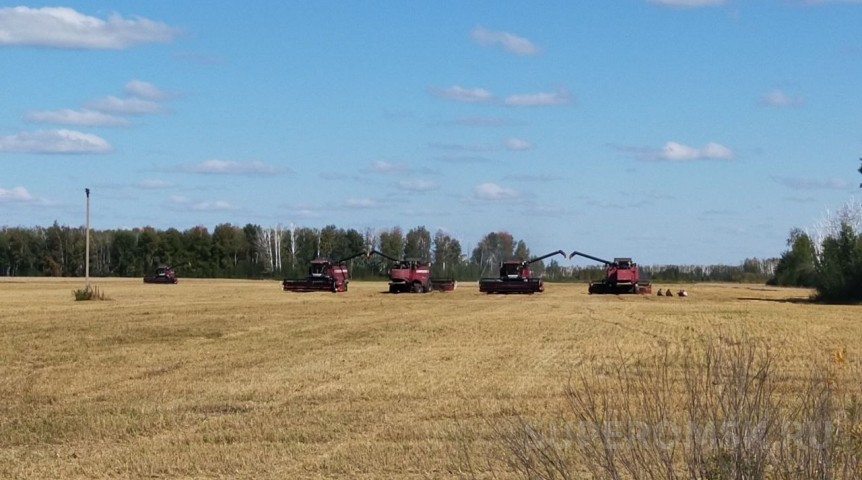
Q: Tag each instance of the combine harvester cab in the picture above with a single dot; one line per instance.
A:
(324, 275)
(516, 276)
(164, 275)
(622, 276)
(414, 275)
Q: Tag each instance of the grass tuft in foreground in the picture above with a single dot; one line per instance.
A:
(89, 293)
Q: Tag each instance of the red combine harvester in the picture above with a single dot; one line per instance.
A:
(413, 275)
(324, 274)
(622, 276)
(163, 274)
(516, 276)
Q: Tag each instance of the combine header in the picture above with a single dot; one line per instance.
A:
(163, 274)
(414, 275)
(621, 276)
(324, 274)
(516, 276)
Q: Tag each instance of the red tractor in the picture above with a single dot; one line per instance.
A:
(516, 276)
(414, 275)
(324, 274)
(621, 276)
(163, 274)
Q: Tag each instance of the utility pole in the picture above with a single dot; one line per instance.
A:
(87, 243)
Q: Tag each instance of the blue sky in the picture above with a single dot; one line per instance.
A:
(671, 131)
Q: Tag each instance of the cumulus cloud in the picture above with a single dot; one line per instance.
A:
(559, 97)
(505, 40)
(417, 185)
(482, 121)
(674, 151)
(380, 166)
(200, 205)
(20, 195)
(229, 167)
(54, 141)
(61, 27)
(492, 191)
(517, 144)
(126, 106)
(812, 184)
(688, 3)
(145, 90)
(78, 118)
(777, 98)
(461, 94)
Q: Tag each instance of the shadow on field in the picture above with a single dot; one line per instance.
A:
(777, 300)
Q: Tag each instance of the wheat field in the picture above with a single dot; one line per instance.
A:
(236, 379)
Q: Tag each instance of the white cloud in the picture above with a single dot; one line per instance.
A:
(678, 152)
(212, 206)
(200, 205)
(559, 97)
(492, 191)
(482, 121)
(777, 98)
(517, 144)
(66, 28)
(151, 184)
(128, 106)
(230, 167)
(80, 118)
(361, 203)
(417, 185)
(16, 195)
(54, 141)
(461, 94)
(505, 40)
(380, 166)
(688, 3)
(145, 90)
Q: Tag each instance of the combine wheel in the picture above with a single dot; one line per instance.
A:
(417, 287)
(393, 289)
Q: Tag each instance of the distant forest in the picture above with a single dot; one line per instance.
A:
(252, 251)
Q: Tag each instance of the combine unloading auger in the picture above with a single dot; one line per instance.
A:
(324, 274)
(414, 275)
(516, 276)
(621, 276)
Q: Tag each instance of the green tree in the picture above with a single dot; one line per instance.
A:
(392, 242)
(839, 269)
(796, 267)
(417, 243)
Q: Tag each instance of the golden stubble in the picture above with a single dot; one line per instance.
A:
(236, 379)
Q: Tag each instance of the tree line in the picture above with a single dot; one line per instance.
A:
(253, 251)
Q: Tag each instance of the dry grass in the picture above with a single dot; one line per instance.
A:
(236, 379)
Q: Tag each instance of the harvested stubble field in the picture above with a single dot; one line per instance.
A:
(221, 378)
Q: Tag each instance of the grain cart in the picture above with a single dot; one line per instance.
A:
(324, 274)
(414, 275)
(516, 276)
(163, 274)
(621, 276)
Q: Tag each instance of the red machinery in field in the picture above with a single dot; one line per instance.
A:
(163, 274)
(414, 275)
(516, 276)
(621, 276)
(324, 274)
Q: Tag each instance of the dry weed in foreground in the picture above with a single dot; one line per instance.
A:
(722, 415)
(89, 293)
